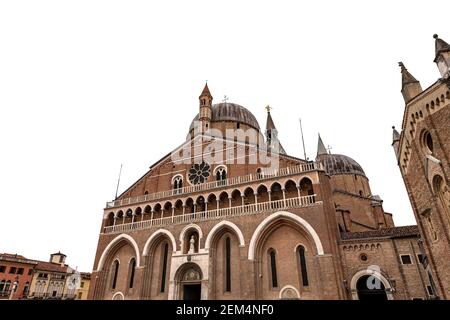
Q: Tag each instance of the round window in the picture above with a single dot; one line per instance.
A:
(363, 257)
(199, 173)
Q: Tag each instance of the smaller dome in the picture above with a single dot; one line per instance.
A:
(339, 164)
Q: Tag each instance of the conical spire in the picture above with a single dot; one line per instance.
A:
(395, 141)
(410, 86)
(272, 134)
(395, 135)
(205, 91)
(321, 147)
(440, 46)
(269, 123)
(406, 76)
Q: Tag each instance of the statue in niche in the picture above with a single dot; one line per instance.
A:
(192, 245)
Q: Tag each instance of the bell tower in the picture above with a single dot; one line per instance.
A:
(205, 112)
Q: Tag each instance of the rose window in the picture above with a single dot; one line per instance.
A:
(199, 172)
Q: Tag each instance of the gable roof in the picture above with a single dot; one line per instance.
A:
(51, 267)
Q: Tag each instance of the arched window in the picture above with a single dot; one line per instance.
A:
(115, 271)
(221, 173)
(111, 219)
(259, 173)
(132, 268)
(306, 187)
(273, 268)
(303, 269)
(177, 183)
(276, 192)
(228, 264)
(164, 267)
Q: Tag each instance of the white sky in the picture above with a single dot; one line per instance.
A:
(88, 85)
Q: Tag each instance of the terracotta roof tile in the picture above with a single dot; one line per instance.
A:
(396, 232)
(10, 255)
(50, 266)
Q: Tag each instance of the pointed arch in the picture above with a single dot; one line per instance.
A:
(221, 225)
(155, 235)
(287, 215)
(116, 240)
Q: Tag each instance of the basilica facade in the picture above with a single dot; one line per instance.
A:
(230, 215)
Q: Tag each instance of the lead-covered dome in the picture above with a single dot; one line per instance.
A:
(339, 164)
(227, 111)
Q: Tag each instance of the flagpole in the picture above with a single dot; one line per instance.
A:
(118, 181)
(303, 140)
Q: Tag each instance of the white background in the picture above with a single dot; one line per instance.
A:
(88, 85)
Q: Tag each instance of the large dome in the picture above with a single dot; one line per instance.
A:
(231, 112)
(339, 164)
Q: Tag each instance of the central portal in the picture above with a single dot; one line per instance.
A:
(188, 282)
(192, 291)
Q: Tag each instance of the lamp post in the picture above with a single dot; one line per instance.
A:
(14, 287)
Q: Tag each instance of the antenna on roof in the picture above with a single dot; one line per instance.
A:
(118, 181)
(303, 140)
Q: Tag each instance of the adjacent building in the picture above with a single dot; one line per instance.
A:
(422, 149)
(50, 278)
(83, 289)
(16, 274)
(22, 278)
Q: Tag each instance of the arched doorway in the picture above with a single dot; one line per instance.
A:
(189, 282)
(371, 288)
